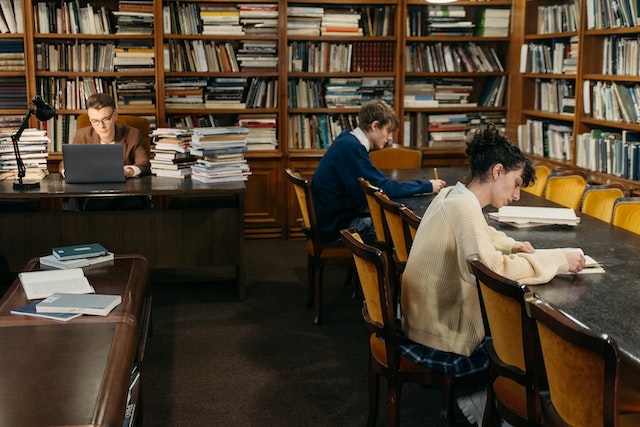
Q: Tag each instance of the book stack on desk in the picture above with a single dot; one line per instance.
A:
(67, 257)
(529, 216)
(171, 152)
(222, 149)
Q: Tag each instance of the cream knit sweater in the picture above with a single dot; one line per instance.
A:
(440, 305)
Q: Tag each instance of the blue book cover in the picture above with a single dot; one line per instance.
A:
(95, 304)
(30, 310)
(89, 250)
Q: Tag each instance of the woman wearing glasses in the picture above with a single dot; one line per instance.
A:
(101, 109)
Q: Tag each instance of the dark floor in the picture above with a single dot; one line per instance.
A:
(214, 360)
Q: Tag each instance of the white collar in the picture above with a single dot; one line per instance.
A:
(460, 188)
(359, 133)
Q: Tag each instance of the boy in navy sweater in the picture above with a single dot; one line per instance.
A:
(338, 199)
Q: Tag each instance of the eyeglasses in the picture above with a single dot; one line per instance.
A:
(104, 121)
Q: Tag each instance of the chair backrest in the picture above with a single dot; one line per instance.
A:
(598, 200)
(510, 347)
(378, 310)
(410, 223)
(626, 214)
(578, 382)
(140, 123)
(394, 226)
(542, 173)
(396, 157)
(374, 209)
(307, 210)
(565, 190)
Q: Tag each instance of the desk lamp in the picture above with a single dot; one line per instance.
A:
(43, 113)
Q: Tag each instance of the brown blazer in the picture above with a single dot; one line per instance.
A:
(131, 140)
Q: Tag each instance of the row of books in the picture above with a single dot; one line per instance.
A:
(452, 57)
(221, 92)
(239, 19)
(559, 18)
(322, 57)
(318, 130)
(612, 14)
(11, 16)
(453, 20)
(559, 56)
(338, 92)
(555, 96)
(212, 56)
(76, 57)
(616, 153)
(429, 93)
(613, 101)
(347, 21)
(620, 55)
(553, 140)
(447, 130)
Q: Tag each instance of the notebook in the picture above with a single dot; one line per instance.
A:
(93, 163)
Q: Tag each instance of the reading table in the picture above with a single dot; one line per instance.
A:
(189, 224)
(610, 302)
(74, 373)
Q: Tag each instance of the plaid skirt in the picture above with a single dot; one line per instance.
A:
(450, 364)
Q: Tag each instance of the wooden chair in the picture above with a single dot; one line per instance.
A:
(626, 214)
(140, 123)
(565, 190)
(579, 376)
(511, 391)
(379, 315)
(318, 255)
(383, 242)
(395, 232)
(542, 173)
(410, 223)
(396, 157)
(598, 200)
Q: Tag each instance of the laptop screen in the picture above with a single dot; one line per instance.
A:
(93, 163)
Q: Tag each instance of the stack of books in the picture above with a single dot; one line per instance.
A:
(226, 92)
(34, 150)
(12, 55)
(341, 22)
(134, 17)
(185, 92)
(535, 216)
(220, 20)
(304, 20)
(493, 22)
(76, 256)
(446, 20)
(258, 55)
(171, 152)
(420, 93)
(14, 93)
(262, 131)
(343, 92)
(222, 150)
(259, 18)
(135, 92)
(448, 130)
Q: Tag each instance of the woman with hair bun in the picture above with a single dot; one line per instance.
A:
(441, 315)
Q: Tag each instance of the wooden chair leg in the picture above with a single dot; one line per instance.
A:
(448, 402)
(311, 268)
(374, 387)
(491, 417)
(393, 403)
(319, 275)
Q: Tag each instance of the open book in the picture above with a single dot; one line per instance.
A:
(42, 284)
(535, 215)
(591, 265)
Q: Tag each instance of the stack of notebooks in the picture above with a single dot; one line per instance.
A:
(64, 295)
(531, 216)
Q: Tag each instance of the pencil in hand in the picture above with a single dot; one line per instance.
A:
(435, 172)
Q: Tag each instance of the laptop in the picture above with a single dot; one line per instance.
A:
(93, 163)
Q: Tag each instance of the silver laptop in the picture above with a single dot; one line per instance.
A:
(93, 163)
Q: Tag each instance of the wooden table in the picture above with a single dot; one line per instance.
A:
(74, 373)
(610, 302)
(190, 224)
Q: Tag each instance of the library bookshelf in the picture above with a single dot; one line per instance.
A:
(311, 79)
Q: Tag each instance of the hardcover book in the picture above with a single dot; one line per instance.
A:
(65, 253)
(30, 310)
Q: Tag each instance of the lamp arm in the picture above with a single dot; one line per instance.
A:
(16, 150)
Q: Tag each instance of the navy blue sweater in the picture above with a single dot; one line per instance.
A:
(337, 196)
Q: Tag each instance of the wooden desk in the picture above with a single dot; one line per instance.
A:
(608, 303)
(190, 224)
(74, 373)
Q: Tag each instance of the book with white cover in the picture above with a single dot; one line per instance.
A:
(537, 214)
(95, 304)
(41, 284)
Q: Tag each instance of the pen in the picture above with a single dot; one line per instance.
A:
(435, 171)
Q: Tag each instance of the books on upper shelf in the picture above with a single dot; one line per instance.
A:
(30, 310)
(65, 253)
(536, 215)
(41, 284)
(94, 304)
(53, 261)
